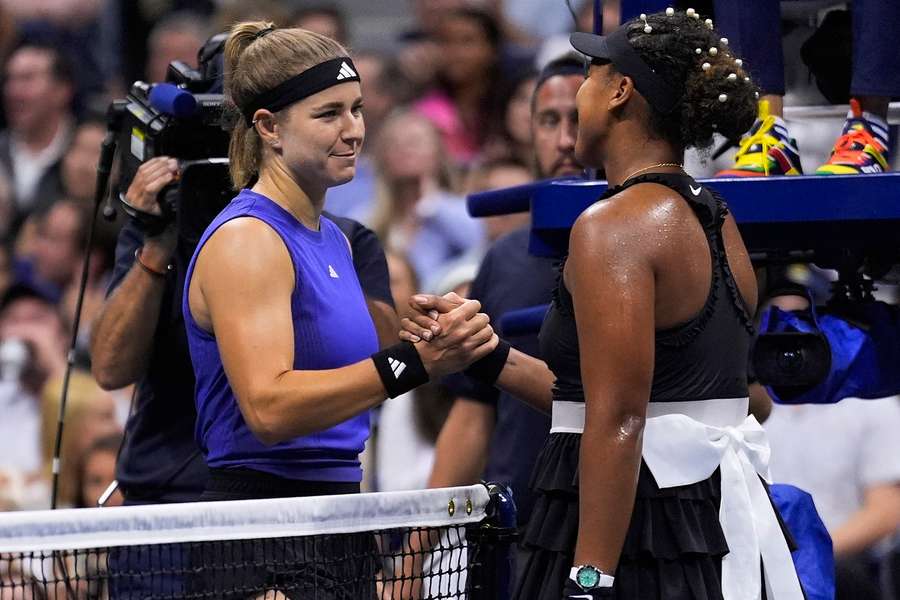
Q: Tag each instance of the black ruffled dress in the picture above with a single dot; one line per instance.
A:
(674, 546)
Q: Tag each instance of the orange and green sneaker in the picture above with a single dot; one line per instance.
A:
(862, 147)
(767, 149)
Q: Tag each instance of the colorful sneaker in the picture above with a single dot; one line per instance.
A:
(862, 148)
(767, 149)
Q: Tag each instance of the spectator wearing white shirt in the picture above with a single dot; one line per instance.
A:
(38, 92)
(847, 455)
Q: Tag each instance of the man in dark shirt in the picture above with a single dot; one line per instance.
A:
(490, 434)
(139, 337)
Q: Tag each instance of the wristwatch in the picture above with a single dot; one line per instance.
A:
(589, 577)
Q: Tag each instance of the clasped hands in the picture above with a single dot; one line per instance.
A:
(448, 331)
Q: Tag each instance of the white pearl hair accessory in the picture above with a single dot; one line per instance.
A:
(746, 79)
(713, 51)
(647, 28)
(723, 97)
(670, 11)
(709, 23)
(723, 41)
(756, 94)
(690, 12)
(732, 77)
(705, 66)
(698, 51)
(738, 62)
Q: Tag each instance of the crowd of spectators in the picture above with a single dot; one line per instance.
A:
(448, 112)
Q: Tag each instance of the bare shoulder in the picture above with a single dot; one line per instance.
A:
(245, 239)
(627, 218)
(242, 249)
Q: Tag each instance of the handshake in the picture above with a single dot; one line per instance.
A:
(448, 332)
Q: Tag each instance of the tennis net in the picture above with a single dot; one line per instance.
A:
(439, 543)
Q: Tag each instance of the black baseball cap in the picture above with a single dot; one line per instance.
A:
(616, 49)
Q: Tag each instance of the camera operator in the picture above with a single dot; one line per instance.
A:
(139, 337)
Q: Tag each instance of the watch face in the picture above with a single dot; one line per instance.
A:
(587, 577)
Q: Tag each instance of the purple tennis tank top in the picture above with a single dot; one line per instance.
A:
(332, 329)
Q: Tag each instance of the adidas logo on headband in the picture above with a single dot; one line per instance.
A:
(346, 72)
(309, 82)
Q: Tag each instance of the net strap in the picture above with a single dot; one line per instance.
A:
(74, 529)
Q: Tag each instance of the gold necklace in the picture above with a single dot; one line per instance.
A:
(680, 166)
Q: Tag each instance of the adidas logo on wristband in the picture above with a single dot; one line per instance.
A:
(396, 366)
(400, 360)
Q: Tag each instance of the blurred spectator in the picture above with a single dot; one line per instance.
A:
(495, 175)
(6, 267)
(37, 97)
(96, 471)
(379, 81)
(32, 351)
(53, 256)
(8, 32)
(235, 11)
(176, 37)
(90, 415)
(79, 163)
(534, 20)
(64, 12)
(431, 13)
(463, 105)
(419, 54)
(511, 135)
(124, 27)
(325, 18)
(418, 212)
(846, 456)
(554, 46)
(7, 208)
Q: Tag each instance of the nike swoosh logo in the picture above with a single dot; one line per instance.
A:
(696, 191)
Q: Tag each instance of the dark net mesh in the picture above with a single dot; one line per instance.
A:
(410, 562)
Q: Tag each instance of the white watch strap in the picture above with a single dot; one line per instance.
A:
(606, 581)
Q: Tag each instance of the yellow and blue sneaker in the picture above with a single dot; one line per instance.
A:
(862, 147)
(767, 149)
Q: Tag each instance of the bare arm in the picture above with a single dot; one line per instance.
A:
(613, 288)
(122, 334)
(529, 379)
(241, 288)
(878, 517)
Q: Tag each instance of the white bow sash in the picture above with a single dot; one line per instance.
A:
(680, 450)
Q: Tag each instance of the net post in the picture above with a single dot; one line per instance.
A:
(494, 541)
